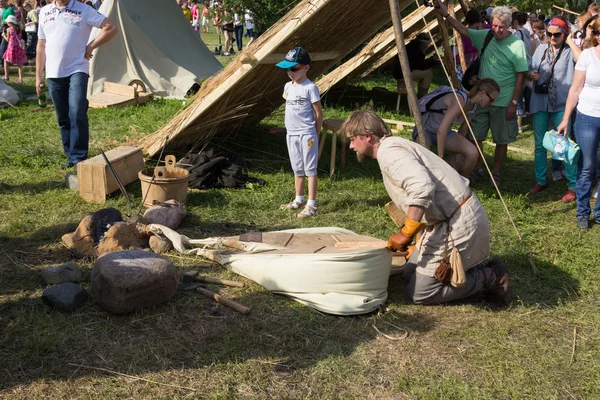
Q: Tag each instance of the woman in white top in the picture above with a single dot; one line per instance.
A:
(585, 94)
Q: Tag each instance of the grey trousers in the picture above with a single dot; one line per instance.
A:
(423, 289)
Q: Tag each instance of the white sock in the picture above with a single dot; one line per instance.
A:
(299, 199)
(312, 203)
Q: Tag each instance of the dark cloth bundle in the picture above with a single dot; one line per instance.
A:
(216, 170)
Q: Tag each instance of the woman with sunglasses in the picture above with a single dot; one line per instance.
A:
(585, 94)
(440, 110)
(553, 66)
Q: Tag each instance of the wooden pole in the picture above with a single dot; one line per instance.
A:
(458, 38)
(565, 10)
(403, 57)
(446, 45)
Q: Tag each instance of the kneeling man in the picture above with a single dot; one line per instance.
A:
(441, 210)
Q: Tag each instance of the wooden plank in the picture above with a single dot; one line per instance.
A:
(123, 90)
(108, 100)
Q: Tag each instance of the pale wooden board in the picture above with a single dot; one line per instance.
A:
(115, 88)
(95, 179)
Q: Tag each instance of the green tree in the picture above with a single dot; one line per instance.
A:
(265, 12)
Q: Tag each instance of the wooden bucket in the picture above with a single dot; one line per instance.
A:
(164, 183)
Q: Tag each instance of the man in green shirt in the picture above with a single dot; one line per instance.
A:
(6, 11)
(505, 61)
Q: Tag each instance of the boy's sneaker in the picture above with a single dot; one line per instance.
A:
(293, 205)
(557, 176)
(583, 223)
(308, 211)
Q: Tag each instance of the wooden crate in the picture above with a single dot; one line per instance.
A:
(94, 176)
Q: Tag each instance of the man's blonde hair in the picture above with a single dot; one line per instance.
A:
(365, 122)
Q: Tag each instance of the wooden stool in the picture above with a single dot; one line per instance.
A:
(401, 89)
(334, 126)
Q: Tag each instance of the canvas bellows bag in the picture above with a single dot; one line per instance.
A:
(473, 68)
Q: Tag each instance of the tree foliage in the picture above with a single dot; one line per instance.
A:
(265, 12)
(545, 6)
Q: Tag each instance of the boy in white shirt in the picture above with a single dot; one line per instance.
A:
(303, 119)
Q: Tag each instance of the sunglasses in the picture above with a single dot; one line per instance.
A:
(596, 32)
(556, 35)
(295, 68)
(490, 97)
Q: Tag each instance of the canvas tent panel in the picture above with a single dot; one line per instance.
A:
(342, 281)
(155, 44)
(8, 95)
(250, 88)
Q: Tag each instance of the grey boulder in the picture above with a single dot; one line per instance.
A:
(65, 297)
(128, 280)
(67, 272)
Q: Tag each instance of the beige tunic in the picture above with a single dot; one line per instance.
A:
(415, 176)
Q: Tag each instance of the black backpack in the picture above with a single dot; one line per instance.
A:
(473, 69)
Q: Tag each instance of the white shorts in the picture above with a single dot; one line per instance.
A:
(205, 22)
(304, 153)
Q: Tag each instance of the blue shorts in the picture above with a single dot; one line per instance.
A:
(304, 153)
(432, 136)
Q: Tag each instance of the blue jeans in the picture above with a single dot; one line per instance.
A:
(71, 105)
(238, 31)
(540, 123)
(587, 133)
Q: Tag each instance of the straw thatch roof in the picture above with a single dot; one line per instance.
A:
(250, 87)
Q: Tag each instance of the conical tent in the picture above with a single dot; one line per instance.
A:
(155, 44)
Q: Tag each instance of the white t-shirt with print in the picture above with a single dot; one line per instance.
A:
(67, 32)
(589, 98)
(299, 113)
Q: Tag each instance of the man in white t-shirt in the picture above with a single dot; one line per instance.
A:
(63, 49)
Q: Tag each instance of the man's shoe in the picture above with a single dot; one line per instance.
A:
(569, 196)
(537, 188)
(500, 293)
(68, 165)
(557, 176)
(583, 223)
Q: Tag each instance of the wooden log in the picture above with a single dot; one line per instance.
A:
(396, 214)
(458, 38)
(447, 58)
(411, 95)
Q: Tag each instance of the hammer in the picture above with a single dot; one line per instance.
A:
(219, 299)
(192, 276)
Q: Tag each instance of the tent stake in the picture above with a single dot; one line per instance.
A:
(410, 90)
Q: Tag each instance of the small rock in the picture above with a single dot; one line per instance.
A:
(65, 297)
(128, 280)
(67, 272)
(71, 181)
(169, 214)
(160, 245)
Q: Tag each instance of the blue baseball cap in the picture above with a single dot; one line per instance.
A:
(297, 55)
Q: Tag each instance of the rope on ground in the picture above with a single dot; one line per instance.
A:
(528, 253)
(131, 376)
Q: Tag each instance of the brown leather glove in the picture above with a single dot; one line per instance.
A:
(409, 251)
(402, 239)
(399, 242)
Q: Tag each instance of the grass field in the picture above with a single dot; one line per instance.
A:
(545, 346)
